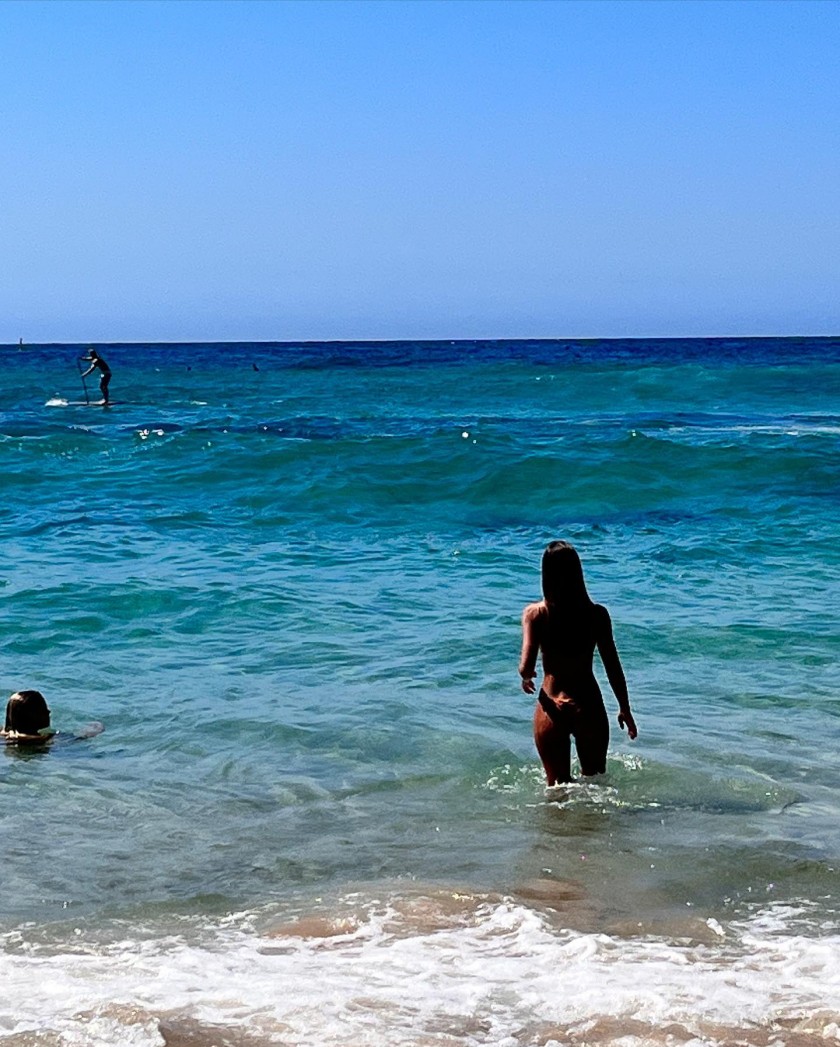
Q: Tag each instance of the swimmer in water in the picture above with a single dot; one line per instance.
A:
(28, 722)
(27, 719)
(96, 362)
(566, 627)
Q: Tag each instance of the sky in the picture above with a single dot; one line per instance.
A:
(287, 171)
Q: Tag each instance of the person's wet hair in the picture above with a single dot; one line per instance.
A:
(27, 712)
(562, 576)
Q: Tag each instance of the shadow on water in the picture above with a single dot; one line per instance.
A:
(27, 753)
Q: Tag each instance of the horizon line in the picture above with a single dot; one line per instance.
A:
(442, 341)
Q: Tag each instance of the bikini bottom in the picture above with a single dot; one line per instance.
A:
(588, 724)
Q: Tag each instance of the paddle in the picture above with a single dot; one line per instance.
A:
(82, 376)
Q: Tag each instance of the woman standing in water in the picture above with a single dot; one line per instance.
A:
(566, 626)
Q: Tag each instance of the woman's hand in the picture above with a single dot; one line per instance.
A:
(626, 720)
(528, 684)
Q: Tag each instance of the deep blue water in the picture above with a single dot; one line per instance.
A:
(288, 580)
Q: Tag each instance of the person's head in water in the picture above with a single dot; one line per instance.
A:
(26, 713)
(562, 575)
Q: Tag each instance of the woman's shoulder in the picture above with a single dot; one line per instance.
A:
(534, 611)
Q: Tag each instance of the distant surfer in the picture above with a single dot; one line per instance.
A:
(566, 627)
(97, 363)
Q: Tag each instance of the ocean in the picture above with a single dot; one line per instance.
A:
(288, 580)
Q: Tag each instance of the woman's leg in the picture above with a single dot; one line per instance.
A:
(553, 741)
(592, 738)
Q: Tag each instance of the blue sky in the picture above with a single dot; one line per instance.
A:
(233, 170)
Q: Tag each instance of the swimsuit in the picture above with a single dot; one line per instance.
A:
(587, 723)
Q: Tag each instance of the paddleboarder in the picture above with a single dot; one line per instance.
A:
(97, 363)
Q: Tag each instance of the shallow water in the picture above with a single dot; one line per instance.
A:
(292, 596)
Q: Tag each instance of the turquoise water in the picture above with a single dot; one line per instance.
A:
(288, 581)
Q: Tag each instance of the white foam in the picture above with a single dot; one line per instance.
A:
(804, 428)
(480, 979)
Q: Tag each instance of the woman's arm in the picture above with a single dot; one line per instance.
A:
(530, 648)
(615, 673)
(27, 739)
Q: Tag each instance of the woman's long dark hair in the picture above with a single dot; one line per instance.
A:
(27, 712)
(562, 578)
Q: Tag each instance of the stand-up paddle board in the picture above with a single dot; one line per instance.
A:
(58, 402)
